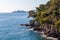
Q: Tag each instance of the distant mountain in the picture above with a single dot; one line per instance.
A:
(18, 11)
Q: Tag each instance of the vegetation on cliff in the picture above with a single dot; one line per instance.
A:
(32, 13)
(48, 16)
(49, 13)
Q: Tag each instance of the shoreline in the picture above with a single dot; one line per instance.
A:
(45, 32)
(42, 34)
(40, 31)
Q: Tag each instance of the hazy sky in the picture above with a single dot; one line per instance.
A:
(11, 5)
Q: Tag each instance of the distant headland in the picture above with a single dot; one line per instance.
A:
(18, 11)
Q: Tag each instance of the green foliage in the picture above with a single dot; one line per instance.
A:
(32, 13)
(49, 13)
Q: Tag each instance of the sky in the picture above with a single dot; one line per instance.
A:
(13, 5)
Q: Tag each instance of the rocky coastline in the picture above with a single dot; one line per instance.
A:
(44, 32)
(47, 20)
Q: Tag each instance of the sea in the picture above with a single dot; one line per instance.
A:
(10, 28)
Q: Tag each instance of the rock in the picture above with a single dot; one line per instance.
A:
(24, 24)
(37, 29)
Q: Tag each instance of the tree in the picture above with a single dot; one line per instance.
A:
(49, 13)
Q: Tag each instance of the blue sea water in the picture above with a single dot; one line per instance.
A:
(10, 28)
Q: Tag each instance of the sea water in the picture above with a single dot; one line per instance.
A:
(10, 28)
